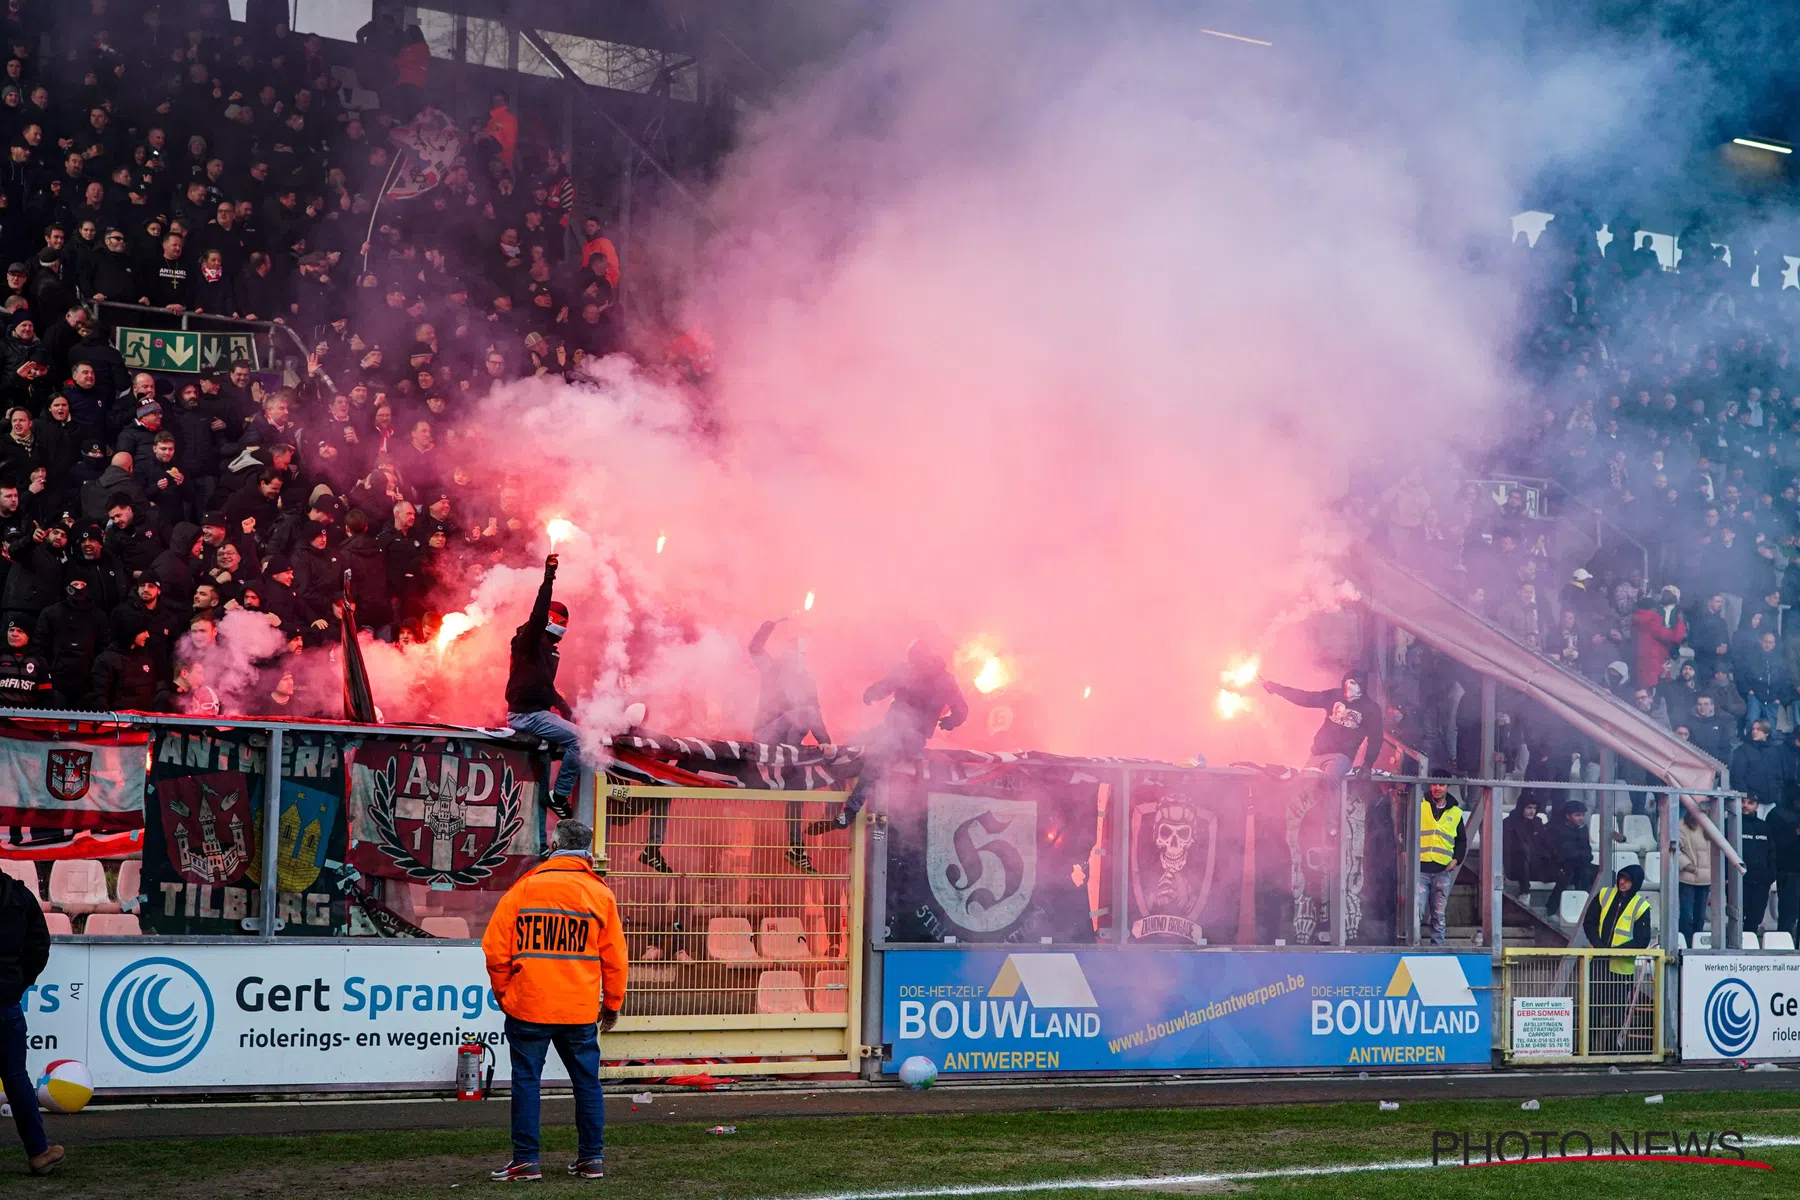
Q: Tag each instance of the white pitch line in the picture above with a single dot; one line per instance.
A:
(1160, 1181)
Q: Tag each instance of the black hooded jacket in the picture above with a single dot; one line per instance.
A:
(124, 674)
(70, 633)
(1599, 925)
(24, 940)
(531, 682)
(1348, 724)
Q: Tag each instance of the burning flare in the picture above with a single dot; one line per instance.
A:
(809, 601)
(456, 624)
(1231, 705)
(559, 531)
(993, 676)
(660, 539)
(1242, 675)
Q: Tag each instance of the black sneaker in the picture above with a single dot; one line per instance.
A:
(518, 1172)
(588, 1168)
(797, 856)
(560, 806)
(652, 858)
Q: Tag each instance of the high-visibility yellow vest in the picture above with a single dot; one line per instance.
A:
(1635, 907)
(1437, 834)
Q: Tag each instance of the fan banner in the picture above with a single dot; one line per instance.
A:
(94, 783)
(445, 814)
(203, 843)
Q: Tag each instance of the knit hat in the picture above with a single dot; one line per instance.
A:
(277, 564)
(149, 408)
(214, 520)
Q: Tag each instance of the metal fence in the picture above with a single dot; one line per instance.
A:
(728, 933)
(1613, 999)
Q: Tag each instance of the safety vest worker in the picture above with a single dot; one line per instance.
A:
(1440, 828)
(1619, 917)
(555, 947)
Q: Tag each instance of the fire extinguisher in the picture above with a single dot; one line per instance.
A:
(470, 1084)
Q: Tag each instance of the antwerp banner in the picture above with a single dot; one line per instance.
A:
(73, 783)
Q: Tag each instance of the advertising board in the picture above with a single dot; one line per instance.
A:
(981, 1010)
(154, 1017)
(1736, 1006)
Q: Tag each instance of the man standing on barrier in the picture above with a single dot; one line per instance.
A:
(556, 958)
(926, 699)
(787, 712)
(533, 705)
(1352, 722)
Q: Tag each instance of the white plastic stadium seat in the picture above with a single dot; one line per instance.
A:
(131, 883)
(78, 885)
(1750, 942)
(1594, 832)
(1681, 941)
(112, 925)
(445, 927)
(831, 992)
(1703, 939)
(1573, 905)
(1652, 870)
(781, 992)
(58, 923)
(728, 940)
(1622, 859)
(1776, 939)
(25, 873)
(782, 937)
(1640, 834)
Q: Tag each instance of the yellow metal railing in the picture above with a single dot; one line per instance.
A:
(1617, 1014)
(740, 948)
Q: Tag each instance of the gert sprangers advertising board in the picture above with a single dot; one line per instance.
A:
(1738, 1006)
(991, 1010)
(156, 1017)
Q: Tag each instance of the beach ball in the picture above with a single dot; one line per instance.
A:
(918, 1072)
(66, 1086)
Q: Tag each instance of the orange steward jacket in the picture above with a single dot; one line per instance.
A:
(555, 946)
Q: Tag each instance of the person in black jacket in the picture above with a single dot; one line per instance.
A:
(1568, 853)
(112, 273)
(533, 705)
(71, 634)
(1759, 767)
(24, 676)
(926, 699)
(361, 556)
(1707, 729)
(787, 711)
(1352, 722)
(1522, 845)
(35, 580)
(125, 672)
(1759, 865)
(24, 953)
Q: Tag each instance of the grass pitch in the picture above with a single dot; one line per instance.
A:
(1008, 1153)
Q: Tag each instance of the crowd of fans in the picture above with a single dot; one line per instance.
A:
(1664, 412)
(165, 156)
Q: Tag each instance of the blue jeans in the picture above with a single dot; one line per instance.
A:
(579, 1048)
(1434, 897)
(21, 1093)
(1693, 908)
(562, 736)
